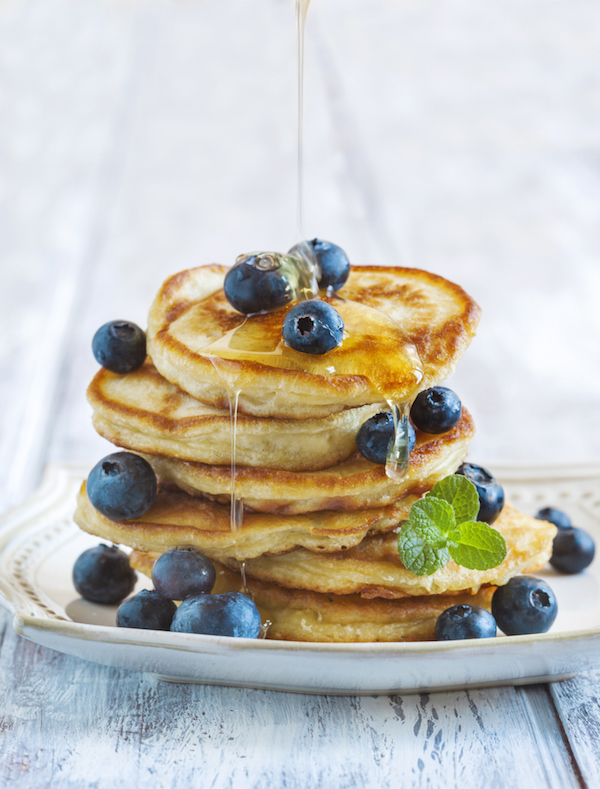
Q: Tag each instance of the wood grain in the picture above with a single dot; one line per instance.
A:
(142, 137)
(122, 729)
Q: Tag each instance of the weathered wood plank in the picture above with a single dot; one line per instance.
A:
(56, 137)
(578, 703)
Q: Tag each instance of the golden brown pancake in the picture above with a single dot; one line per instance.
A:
(142, 411)
(297, 615)
(374, 569)
(353, 484)
(191, 313)
(177, 520)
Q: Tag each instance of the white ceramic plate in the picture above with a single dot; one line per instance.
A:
(39, 543)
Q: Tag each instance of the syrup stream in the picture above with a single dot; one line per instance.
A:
(305, 277)
(301, 11)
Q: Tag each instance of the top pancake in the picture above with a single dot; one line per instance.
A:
(191, 313)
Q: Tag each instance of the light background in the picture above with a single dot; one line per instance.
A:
(139, 137)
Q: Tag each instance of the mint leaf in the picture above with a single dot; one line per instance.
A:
(476, 546)
(419, 556)
(422, 541)
(461, 494)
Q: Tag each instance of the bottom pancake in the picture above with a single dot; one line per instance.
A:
(298, 615)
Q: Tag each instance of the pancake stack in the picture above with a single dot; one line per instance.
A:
(224, 415)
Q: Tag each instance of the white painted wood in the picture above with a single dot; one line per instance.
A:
(133, 730)
(141, 137)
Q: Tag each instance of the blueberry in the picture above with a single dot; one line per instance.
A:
(572, 551)
(180, 574)
(229, 614)
(334, 264)
(103, 575)
(122, 486)
(436, 410)
(524, 605)
(464, 621)
(147, 610)
(559, 518)
(119, 346)
(375, 435)
(313, 326)
(491, 493)
(257, 283)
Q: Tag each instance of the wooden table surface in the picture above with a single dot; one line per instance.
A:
(139, 137)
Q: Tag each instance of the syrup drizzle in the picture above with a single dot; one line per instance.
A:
(301, 11)
(369, 334)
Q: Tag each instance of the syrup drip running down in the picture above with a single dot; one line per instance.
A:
(237, 504)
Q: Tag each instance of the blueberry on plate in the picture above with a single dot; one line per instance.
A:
(119, 346)
(572, 551)
(376, 434)
(313, 326)
(464, 621)
(491, 493)
(122, 486)
(229, 614)
(179, 574)
(334, 264)
(103, 575)
(147, 610)
(524, 605)
(559, 518)
(436, 410)
(257, 283)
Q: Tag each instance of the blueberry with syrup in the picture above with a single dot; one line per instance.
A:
(313, 327)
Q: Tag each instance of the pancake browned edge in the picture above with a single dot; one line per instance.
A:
(143, 412)
(297, 615)
(177, 520)
(190, 312)
(374, 568)
(354, 484)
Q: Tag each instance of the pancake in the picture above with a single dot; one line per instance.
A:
(142, 411)
(354, 484)
(374, 569)
(191, 313)
(177, 520)
(296, 615)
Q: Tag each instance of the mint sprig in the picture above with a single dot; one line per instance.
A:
(443, 525)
